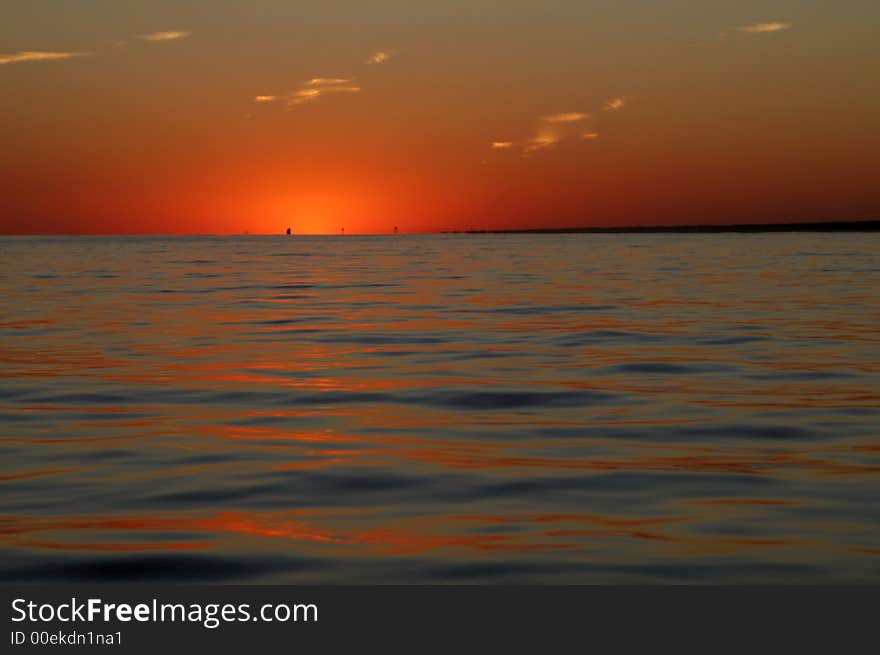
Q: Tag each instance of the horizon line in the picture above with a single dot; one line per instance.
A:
(869, 224)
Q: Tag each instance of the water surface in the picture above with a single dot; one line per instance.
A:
(452, 408)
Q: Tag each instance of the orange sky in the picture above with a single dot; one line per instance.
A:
(142, 117)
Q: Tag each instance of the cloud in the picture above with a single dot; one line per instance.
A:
(302, 96)
(590, 135)
(566, 117)
(551, 130)
(543, 139)
(762, 28)
(165, 36)
(317, 87)
(311, 90)
(380, 57)
(36, 55)
(615, 104)
(327, 81)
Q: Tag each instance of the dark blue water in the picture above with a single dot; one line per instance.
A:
(486, 408)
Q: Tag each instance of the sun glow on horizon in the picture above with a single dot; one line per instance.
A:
(313, 212)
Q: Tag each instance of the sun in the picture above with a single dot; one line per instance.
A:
(303, 214)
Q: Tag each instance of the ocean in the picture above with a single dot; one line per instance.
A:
(544, 408)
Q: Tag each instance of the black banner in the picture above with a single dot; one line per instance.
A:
(141, 619)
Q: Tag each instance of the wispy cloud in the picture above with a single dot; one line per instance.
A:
(380, 57)
(302, 96)
(320, 86)
(328, 81)
(170, 35)
(38, 55)
(42, 55)
(543, 139)
(551, 130)
(761, 28)
(566, 117)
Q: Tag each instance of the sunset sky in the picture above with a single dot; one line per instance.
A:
(226, 116)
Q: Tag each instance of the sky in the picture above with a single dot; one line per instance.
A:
(226, 116)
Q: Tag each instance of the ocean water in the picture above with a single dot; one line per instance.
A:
(582, 408)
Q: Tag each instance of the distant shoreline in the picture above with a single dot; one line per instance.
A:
(826, 226)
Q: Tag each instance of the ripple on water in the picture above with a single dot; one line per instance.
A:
(498, 408)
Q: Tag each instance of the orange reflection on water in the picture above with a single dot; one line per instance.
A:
(408, 536)
(580, 398)
(561, 532)
(13, 530)
(32, 474)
